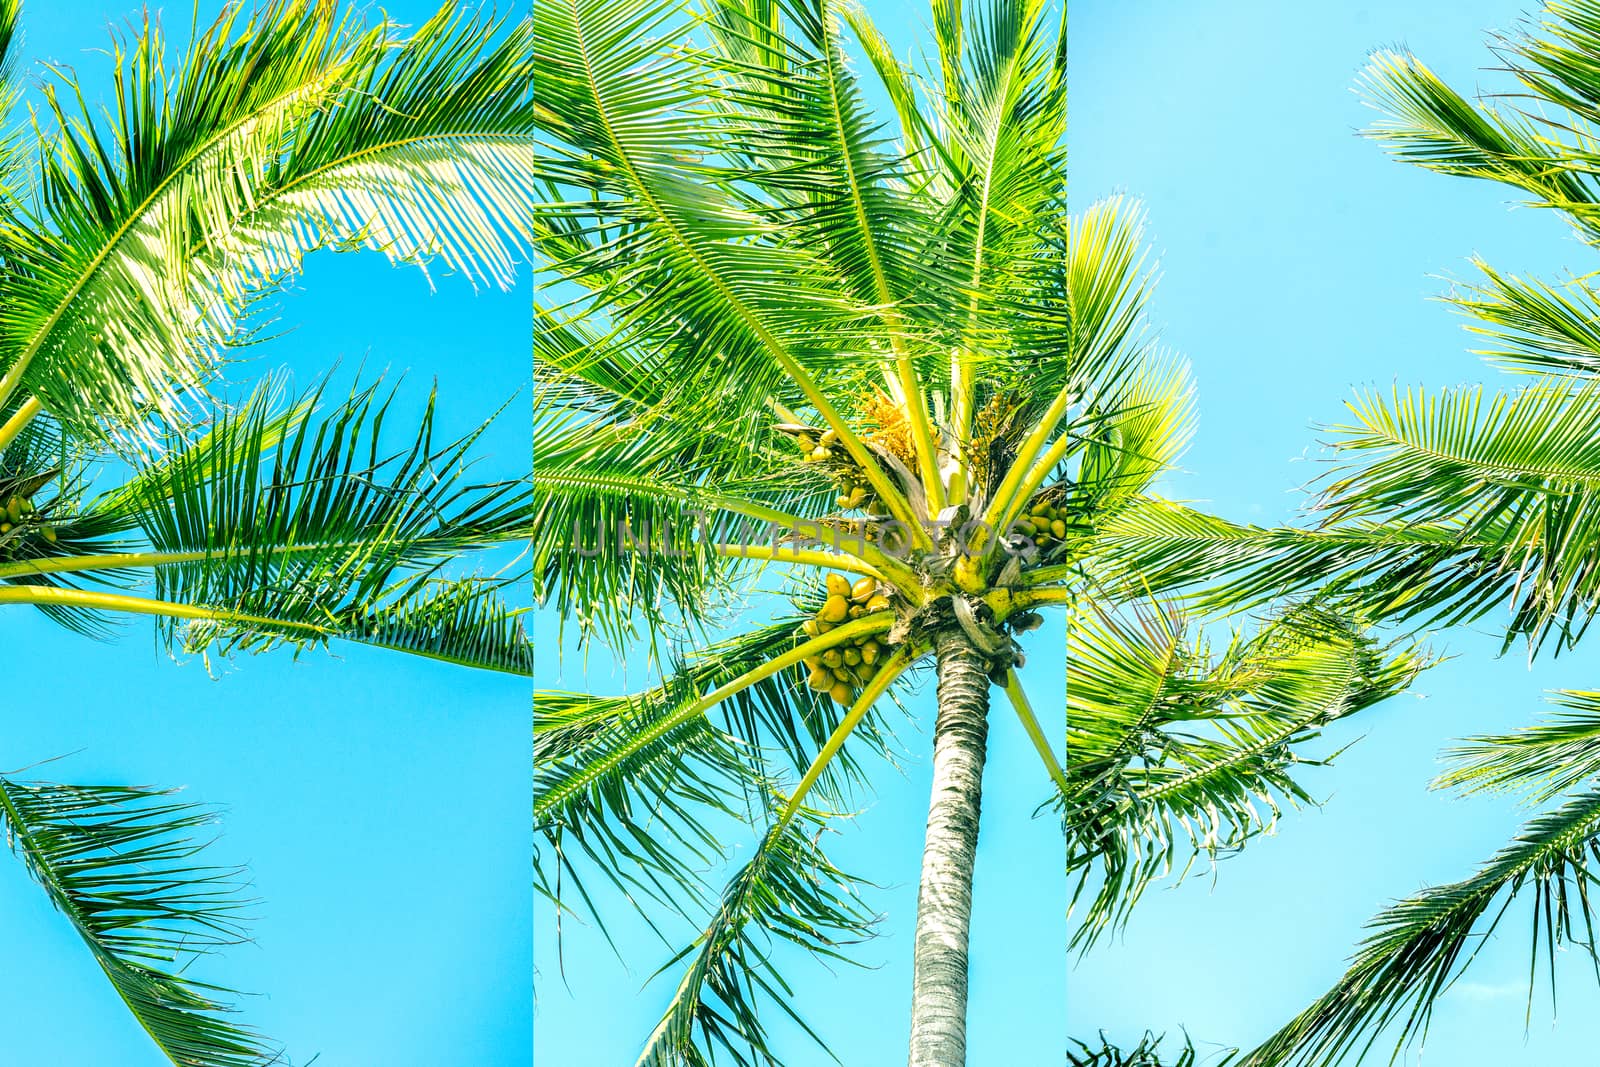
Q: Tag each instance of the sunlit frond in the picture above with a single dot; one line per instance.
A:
(282, 131)
(1176, 753)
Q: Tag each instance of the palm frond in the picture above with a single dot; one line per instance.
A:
(648, 222)
(1175, 754)
(1149, 422)
(787, 892)
(1146, 1053)
(1538, 328)
(631, 505)
(1519, 472)
(1542, 761)
(1427, 123)
(609, 767)
(303, 524)
(120, 863)
(1417, 947)
(280, 132)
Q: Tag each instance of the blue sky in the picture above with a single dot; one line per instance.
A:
(1298, 263)
(380, 801)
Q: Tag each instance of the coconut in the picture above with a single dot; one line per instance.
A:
(838, 585)
(835, 610)
(862, 590)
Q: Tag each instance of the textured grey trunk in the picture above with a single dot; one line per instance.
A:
(944, 904)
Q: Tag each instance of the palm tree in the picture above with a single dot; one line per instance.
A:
(134, 244)
(1508, 483)
(900, 373)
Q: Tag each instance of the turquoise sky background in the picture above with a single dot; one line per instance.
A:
(380, 801)
(1298, 262)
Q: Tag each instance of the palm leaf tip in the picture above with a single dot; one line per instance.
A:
(1147, 1052)
(788, 891)
(119, 863)
(1417, 947)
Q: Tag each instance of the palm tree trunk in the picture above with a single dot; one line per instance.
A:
(944, 903)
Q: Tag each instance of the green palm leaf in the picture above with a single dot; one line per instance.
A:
(1176, 754)
(1418, 946)
(788, 891)
(120, 863)
(280, 132)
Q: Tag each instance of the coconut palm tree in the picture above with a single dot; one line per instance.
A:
(1511, 479)
(134, 244)
(891, 368)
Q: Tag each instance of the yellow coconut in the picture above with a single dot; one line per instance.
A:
(835, 609)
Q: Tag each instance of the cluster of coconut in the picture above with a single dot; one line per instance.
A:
(845, 668)
(1045, 524)
(854, 492)
(19, 511)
